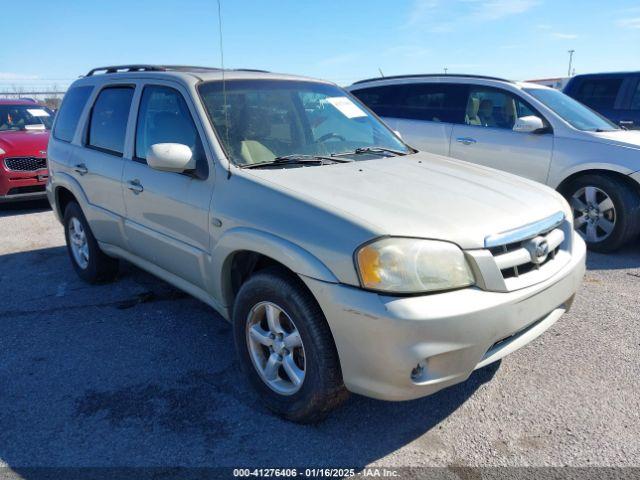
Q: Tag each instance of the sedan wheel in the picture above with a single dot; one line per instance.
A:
(594, 213)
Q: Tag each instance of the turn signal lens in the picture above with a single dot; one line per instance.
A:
(369, 261)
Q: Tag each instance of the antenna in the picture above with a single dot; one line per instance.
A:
(381, 74)
(224, 89)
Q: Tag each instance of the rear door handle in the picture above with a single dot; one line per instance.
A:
(135, 186)
(466, 140)
(81, 168)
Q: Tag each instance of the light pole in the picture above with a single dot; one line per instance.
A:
(570, 62)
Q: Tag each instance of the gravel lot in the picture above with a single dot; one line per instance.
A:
(136, 373)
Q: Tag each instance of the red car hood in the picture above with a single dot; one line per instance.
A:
(31, 143)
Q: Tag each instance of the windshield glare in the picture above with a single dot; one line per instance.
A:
(572, 111)
(23, 117)
(265, 119)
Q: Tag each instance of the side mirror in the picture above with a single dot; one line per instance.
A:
(170, 157)
(529, 124)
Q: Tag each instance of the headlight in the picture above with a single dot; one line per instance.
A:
(2, 152)
(410, 265)
(566, 208)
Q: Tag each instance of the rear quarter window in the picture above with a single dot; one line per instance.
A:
(69, 115)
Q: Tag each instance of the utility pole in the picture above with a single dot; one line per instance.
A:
(571, 52)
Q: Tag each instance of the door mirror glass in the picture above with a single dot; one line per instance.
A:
(170, 157)
(528, 124)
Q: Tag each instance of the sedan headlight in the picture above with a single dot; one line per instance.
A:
(410, 265)
(2, 152)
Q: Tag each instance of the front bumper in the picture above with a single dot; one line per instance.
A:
(401, 348)
(22, 185)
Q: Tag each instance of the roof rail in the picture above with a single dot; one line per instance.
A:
(160, 68)
(125, 68)
(421, 75)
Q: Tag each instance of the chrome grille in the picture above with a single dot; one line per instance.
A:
(25, 164)
(519, 258)
(523, 256)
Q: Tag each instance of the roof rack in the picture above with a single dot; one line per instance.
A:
(160, 68)
(421, 75)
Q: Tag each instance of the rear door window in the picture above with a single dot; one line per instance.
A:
(108, 122)
(384, 101)
(599, 93)
(435, 102)
(69, 115)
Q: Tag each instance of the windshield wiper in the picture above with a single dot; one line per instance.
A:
(361, 150)
(297, 159)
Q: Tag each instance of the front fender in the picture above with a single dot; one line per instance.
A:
(292, 256)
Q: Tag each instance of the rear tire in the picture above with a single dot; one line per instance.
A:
(90, 263)
(277, 306)
(606, 211)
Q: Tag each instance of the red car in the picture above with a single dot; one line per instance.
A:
(24, 134)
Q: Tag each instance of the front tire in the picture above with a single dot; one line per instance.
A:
(606, 211)
(90, 263)
(285, 347)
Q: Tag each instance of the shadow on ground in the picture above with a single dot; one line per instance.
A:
(22, 208)
(136, 373)
(628, 257)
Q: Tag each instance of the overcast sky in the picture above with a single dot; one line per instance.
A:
(46, 42)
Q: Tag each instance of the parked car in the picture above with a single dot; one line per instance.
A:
(345, 260)
(526, 129)
(614, 95)
(24, 134)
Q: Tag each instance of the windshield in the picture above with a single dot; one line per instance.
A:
(267, 119)
(572, 111)
(24, 117)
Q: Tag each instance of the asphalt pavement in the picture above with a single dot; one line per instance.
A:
(136, 373)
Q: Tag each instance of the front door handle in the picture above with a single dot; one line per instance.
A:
(466, 140)
(135, 186)
(81, 168)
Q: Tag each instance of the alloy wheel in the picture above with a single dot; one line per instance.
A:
(276, 348)
(78, 243)
(594, 213)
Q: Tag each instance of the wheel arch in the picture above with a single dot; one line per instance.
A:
(67, 189)
(613, 174)
(63, 197)
(242, 251)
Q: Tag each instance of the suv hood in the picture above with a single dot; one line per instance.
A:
(421, 195)
(24, 142)
(622, 138)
